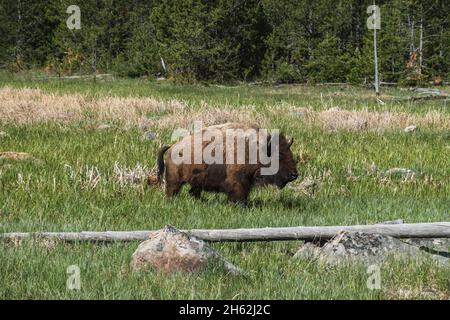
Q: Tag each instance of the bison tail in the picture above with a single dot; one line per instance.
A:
(161, 153)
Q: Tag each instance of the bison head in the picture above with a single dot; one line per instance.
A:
(287, 171)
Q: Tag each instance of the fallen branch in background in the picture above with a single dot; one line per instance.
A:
(77, 77)
(425, 94)
(429, 94)
(431, 97)
(313, 233)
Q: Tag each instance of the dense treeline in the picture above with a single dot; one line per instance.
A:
(225, 40)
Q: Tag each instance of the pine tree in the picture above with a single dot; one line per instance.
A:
(223, 40)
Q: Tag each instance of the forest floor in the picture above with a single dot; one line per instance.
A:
(86, 147)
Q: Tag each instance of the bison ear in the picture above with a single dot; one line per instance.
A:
(269, 146)
(290, 142)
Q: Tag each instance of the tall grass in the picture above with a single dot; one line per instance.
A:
(84, 177)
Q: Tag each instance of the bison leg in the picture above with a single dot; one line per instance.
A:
(238, 194)
(173, 186)
(173, 189)
(174, 181)
(195, 192)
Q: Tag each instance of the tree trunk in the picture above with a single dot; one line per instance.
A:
(375, 54)
(421, 46)
(411, 30)
(407, 230)
(18, 51)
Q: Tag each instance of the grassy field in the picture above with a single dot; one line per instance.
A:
(85, 137)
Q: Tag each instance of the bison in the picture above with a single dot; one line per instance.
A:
(218, 174)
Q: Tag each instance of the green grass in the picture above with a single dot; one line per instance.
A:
(51, 193)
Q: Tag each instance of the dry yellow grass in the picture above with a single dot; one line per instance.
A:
(414, 293)
(209, 115)
(356, 120)
(33, 105)
(15, 155)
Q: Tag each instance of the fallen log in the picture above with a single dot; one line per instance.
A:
(313, 233)
(430, 97)
(86, 76)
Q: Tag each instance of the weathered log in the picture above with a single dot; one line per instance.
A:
(87, 76)
(431, 97)
(407, 230)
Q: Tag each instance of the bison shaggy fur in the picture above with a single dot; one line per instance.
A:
(236, 180)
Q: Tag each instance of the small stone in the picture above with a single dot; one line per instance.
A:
(411, 128)
(150, 136)
(373, 168)
(308, 251)
(171, 250)
(436, 244)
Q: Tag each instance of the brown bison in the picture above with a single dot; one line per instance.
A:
(227, 158)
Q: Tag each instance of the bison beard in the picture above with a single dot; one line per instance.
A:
(236, 180)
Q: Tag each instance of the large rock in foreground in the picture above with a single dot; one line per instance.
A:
(171, 250)
(364, 248)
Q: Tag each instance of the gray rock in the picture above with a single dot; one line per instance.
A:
(171, 250)
(373, 168)
(365, 248)
(308, 251)
(411, 128)
(437, 244)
